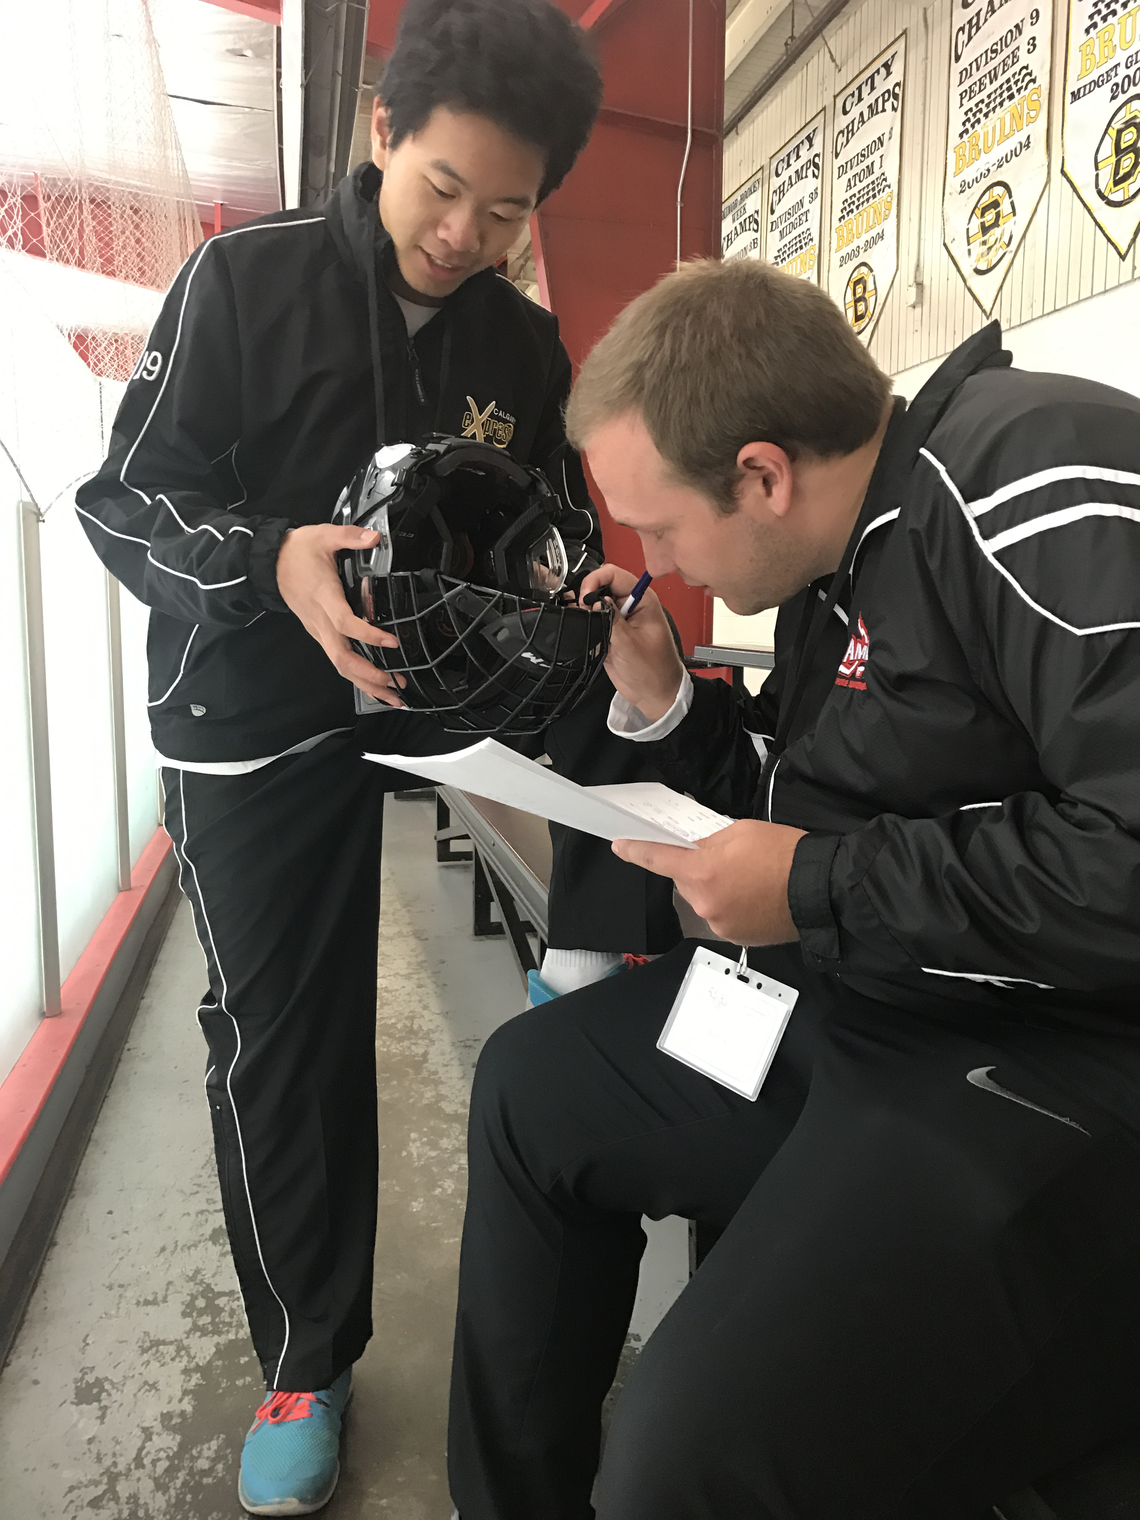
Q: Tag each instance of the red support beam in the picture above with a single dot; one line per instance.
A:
(260, 10)
(678, 131)
(610, 232)
(598, 12)
(383, 19)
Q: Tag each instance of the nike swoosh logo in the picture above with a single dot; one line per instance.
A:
(980, 1077)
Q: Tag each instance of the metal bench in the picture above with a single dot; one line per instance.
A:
(735, 657)
(511, 855)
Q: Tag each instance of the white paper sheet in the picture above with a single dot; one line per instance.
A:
(632, 810)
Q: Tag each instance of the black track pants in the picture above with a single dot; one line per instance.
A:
(927, 1293)
(282, 868)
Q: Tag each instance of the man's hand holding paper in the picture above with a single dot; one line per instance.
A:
(736, 879)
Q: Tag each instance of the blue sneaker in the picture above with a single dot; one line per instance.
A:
(290, 1462)
(537, 991)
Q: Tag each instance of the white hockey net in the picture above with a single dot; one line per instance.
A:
(91, 172)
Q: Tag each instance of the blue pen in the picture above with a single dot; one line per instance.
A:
(631, 601)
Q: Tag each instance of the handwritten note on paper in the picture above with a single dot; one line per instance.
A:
(673, 811)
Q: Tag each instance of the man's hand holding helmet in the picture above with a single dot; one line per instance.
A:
(310, 587)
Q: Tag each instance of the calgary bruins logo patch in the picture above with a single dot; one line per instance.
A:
(853, 666)
(489, 424)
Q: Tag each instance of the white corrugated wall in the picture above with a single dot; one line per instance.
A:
(1063, 259)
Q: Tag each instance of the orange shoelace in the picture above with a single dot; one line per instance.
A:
(280, 1407)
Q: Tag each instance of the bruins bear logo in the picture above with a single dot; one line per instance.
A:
(861, 296)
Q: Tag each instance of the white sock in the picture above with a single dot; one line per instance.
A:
(567, 970)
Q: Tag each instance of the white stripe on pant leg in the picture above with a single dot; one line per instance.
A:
(174, 847)
(202, 1006)
(229, 1075)
(211, 1069)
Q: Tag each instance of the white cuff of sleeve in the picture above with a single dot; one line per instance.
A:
(629, 722)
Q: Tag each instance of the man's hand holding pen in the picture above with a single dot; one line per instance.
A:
(643, 662)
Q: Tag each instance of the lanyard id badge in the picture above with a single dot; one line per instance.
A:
(727, 1021)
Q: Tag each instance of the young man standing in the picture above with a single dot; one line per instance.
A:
(288, 350)
(926, 1294)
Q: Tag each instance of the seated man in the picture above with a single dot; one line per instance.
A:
(927, 1292)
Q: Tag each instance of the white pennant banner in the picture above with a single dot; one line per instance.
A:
(997, 142)
(740, 223)
(794, 203)
(1101, 132)
(864, 245)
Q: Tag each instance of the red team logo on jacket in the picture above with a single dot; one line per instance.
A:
(853, 665)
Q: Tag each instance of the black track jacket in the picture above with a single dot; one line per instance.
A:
(966, 755)
(280, 361)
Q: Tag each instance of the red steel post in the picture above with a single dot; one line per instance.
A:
(611, 230)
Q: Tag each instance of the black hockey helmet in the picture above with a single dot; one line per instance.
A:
(471, 575)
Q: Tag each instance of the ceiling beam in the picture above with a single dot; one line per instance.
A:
(749, 22)
(793, 52)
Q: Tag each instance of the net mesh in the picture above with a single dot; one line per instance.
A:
(91, 171)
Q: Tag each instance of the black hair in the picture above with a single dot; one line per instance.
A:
(521, 63)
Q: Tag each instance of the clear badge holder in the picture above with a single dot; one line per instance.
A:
(727, 1021)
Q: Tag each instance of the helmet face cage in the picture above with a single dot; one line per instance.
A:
(470, 575)
(486, 661)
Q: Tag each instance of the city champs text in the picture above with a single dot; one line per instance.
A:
(871, 104)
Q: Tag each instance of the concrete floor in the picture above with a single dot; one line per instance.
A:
(132, 1382)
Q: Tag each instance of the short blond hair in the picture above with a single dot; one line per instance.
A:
(716, 356)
